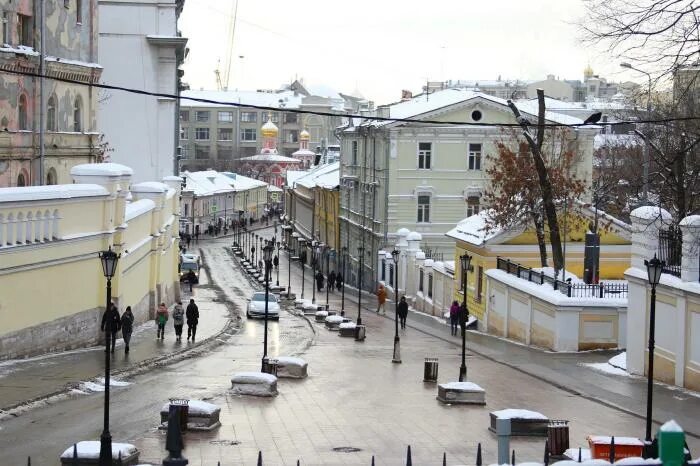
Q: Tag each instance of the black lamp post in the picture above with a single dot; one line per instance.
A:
(109, 260)
(302, 260)
(279, 247)
(464, 259)
(654, 269)
(314, 262)
(267, 257)
(361, 252)
(342, 299)
(328, 266)
(289, 269)
(397, 341)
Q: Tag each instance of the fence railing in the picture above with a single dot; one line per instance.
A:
(572, 290)
(671, 250)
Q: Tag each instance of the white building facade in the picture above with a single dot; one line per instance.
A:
(144, 54)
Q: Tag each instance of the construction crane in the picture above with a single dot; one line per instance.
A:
(222, 81)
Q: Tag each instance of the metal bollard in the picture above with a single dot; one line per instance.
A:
(270, 366)
(503, 433)
(430, 370)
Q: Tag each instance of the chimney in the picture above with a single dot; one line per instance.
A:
(406, 95)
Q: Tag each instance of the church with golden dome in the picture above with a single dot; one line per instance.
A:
(269, 165)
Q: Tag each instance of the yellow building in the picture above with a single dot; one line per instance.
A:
(53, 288)
(519, 244)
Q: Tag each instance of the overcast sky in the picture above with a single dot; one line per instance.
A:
(380, 47)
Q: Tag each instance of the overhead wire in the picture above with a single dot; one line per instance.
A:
(332, 114)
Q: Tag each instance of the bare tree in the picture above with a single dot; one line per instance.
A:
(661, 35)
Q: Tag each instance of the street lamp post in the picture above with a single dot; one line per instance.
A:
(109, 261)
(397, 341)
(289, 269)
(361, 252)
(314, 261)
(302, 259)
(654, 269)
(464, 259)
(342, 299)
(646, 154)
(267, 257)
(279, 248)
(328, 265)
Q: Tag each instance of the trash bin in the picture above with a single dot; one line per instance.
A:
(558, 437)
(359, 332)
(270, 366)
(182, 408)
(430, 370)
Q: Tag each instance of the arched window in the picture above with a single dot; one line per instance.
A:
(77, 115)
(21, 180)
(51, 176)
(22, 108)
(51, 115)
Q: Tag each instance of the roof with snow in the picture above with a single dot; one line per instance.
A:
(616, 140)
(323, 176)
(281, 100)
(210, 182)
(59, 191)
(270, 158)
(473, 229)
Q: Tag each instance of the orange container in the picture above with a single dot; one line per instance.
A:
(625, 447)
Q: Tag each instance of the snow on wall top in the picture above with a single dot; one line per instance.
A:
(60, 191)
(137, 208)
(149, 187)
(473, 229)
(693, 220)
(101, 169)
(650, 212)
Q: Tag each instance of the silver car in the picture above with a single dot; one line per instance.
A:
(256, 306)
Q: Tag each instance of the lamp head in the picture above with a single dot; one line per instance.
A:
(267, 253)
(654, 268)
(465, 260)
(395, 255)
(109, 260)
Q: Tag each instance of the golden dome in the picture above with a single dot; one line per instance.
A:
(304, 135)
(269, 130)
(588, 72)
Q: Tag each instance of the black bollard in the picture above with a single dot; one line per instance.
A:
(478, 455)
(372, 460)
(512, 458)
(612, 450)
(119, 458)
(173, 439)
(546, 452)
(259, 458)
(75, 454)
(29, 461)
(444, 458)
(408, 457)
(579, 454)
(297, 462)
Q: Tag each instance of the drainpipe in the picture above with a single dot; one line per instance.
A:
(42, 29)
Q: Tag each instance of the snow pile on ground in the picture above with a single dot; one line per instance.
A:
(334, 319)
(321, 314)
(617, 365)
(99, 385)
(254, 383)
(518, 414)
(347, 325)
(573, 454)
(549, 272)
(90, 449)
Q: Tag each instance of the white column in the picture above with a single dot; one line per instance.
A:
(690, 263)
(646, 223)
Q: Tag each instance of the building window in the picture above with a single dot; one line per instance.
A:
(51, 114)
(201, 115)
(201, 152)
(78, 11)
(225, 134)
(475, 156)
(184, 115)
(272, 116)
(224, 152)
(479, 284)
(290, 118)
(225, 117)
(248, 135)
(291, 136)
(472, 205)
(420, 281)
(201, 134)
(22, 109)
(21, 181)
(78, 115)
(5, 28)
(430, 285)
(249, 117)
(354, 152)
(425, 151)
(24, 30)
(184, 133)
(423, 208)
(476, 115)
(51, 177)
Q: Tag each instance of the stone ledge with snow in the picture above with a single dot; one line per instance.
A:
(321, 316)
(347, 329)
(311, 309)
(88, 452)
(333, 322)
(254, 383)
(461, 393)
(200, 415)
(522, 422)
(291, 367)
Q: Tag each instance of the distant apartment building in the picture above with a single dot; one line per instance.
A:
(217, 136)
(30, 154)
(141, 130)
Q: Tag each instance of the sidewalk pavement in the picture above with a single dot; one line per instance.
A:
(26, 380)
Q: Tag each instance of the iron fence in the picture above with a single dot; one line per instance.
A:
(572, 290)
(671, 250)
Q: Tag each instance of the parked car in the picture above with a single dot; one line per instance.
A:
(256, 306)
(185, 269)
(189, 257)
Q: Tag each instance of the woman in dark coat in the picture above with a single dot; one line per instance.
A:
(339, 281)
(331, 280)
(127, 327)
(403, 311)
(111, 323)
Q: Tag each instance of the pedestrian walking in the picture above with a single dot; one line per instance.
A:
(331, 280)
(178, 320)
(381, 299)
(319, 281)
(463, 316)
(127, 322)
(111, 323)
(188, 238)
(192, 315)
(191, 278)
(403, 311)
(161, 319)
(339, 281)
(276, 261)
(454, 317)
